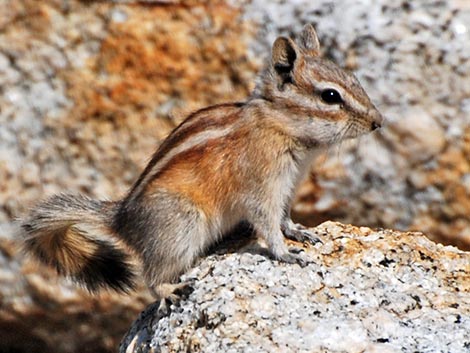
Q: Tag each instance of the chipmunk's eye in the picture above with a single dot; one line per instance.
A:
(331, 96)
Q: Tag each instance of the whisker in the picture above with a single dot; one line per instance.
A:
(346, 130)
(338, 139)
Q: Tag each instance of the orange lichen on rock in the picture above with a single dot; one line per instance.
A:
(181, 56)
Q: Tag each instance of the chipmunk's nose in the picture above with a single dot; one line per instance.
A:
(375, 125)
(377, 121)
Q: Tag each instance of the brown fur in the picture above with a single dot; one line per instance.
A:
(196, 122)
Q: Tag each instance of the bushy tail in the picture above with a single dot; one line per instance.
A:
(72, 234)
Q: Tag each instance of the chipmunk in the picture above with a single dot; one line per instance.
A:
(222, 165)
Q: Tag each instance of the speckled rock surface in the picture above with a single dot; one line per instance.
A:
(365, 291)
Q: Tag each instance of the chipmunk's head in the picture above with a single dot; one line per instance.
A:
(324, 102)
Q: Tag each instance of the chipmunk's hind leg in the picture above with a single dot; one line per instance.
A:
(172, 245)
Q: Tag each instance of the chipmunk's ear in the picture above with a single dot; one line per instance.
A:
(284, 54)
(308, 40)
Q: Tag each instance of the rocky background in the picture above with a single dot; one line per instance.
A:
(89, 88)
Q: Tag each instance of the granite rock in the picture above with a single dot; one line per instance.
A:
(364, 291)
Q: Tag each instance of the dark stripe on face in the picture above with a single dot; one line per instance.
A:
(322, 70)
(308, 112)
(354, 114)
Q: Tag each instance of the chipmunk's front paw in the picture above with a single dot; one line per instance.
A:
(298, 232)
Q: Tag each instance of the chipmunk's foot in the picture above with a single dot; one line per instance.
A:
(171, 294)
(299, 233)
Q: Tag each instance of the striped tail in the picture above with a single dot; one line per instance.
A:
(71, 233)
